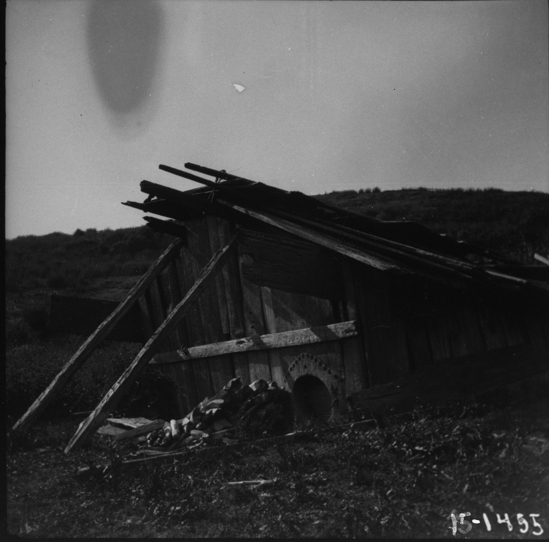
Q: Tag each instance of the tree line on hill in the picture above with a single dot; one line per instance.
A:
(60, 261)
(514, 224)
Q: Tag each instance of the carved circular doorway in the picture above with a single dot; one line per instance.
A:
(312, 400)
(317, 388)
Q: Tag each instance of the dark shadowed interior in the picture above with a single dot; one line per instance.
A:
(312, 400)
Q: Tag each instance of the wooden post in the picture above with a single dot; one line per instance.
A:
(88, 426)
(97, 337)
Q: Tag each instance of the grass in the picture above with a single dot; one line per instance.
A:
(400, 481)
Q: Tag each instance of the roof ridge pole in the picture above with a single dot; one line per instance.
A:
(221, 174)
(97, 337)
(121, 386)
(216, 186)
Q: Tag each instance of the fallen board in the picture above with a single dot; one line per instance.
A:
(141, 430)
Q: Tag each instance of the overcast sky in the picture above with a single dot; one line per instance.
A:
(309, 96)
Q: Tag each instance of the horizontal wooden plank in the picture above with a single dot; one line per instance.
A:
(82, 316)
(297, 337)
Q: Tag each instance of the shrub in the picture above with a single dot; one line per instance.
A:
(36, 318)
(18, 332)
(58, 281)
(31, 367)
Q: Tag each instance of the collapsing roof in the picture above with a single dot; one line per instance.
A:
(278, 286)
(396, 248)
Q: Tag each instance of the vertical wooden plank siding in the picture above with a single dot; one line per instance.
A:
(144, 314)
(353, 352)
(215, 244)
(235, 307)
(192, 264)
(210, 307)
(176, 295)
(437, 329)
(191, 321)
(417, 336)
(296, 311)
(193, 324)
(221, 366)
(197, 243)
(536, 333)
(181, 373)
(470, 320)
(156, 312)
(387, 353)
(513, 328)
(259, 365)
(492, 332)
(275, 360)
(161, 306)
(166, 304)
(400, 346)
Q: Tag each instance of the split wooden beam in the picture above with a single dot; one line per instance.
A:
(382, 264)
(97, 337)
(111, 399)
(298, 337)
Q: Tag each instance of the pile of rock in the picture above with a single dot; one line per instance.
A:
(261, 408)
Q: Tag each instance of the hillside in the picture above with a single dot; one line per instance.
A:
(515, 224)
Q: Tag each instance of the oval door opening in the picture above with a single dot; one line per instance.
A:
(312, 399)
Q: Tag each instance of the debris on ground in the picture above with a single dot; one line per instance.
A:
(261, 408)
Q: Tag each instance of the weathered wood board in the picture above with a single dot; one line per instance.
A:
(254, 324)
(284, 339)
(235, 302)
(384, 335)
(182, 375)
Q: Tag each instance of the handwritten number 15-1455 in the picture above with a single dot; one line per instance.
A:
(464, 526)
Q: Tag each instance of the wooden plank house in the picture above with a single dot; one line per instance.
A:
(344, 310)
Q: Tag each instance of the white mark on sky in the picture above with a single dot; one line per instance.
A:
(74, 206)
(238, 87)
